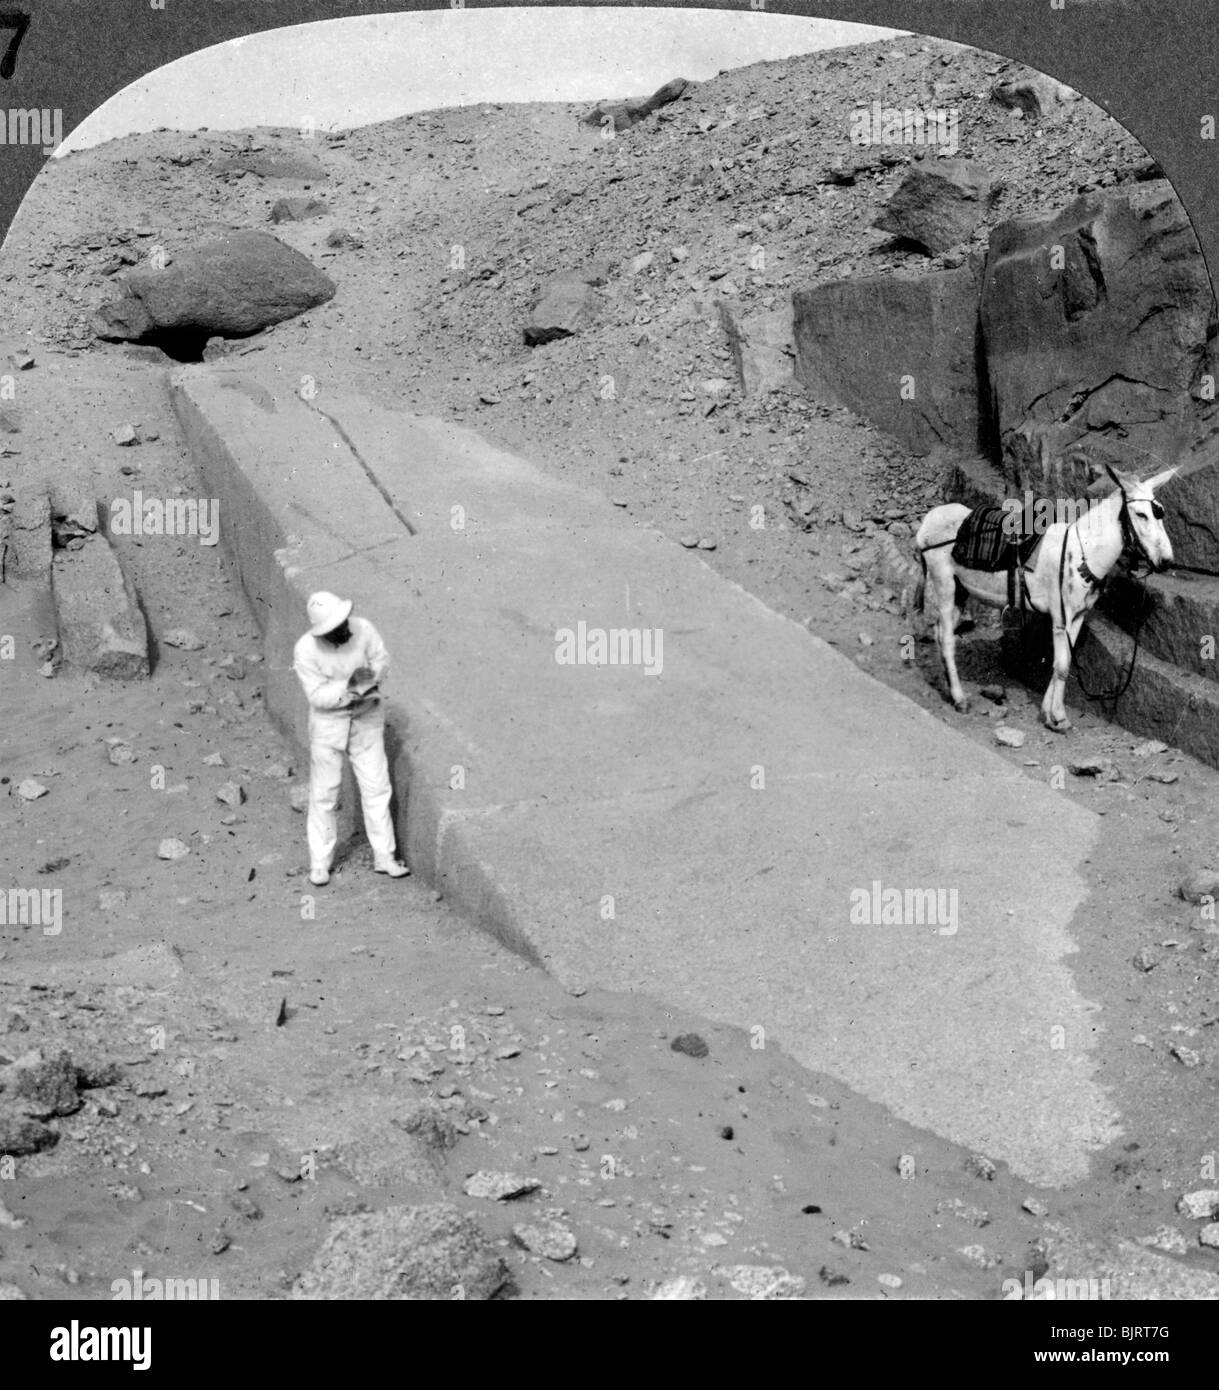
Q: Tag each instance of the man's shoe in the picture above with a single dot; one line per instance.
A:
(319, 877)
(395, 868)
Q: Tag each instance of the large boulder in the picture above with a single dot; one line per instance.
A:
(938, 205)
(898, 350)
(1032, 93)
(628, 113)
(568, 304)
(763, 348)
(231, 286)
(1095, 325)
(423, 1252)
(101, 626)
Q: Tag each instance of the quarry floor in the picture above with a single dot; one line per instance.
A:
(216, 950)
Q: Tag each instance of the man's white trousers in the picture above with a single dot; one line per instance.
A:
(362, 738)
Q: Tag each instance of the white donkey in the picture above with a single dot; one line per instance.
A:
(1062, 577)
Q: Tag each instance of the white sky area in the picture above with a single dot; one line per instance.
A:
(352, 72)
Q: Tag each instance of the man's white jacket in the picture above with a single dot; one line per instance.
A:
(325, 669)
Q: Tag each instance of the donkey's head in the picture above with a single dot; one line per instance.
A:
(1142, 518)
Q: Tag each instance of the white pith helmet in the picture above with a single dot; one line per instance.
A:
(326, 611)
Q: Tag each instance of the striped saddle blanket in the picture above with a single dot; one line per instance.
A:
(985, 543)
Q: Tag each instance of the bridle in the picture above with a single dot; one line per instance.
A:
(1130, 541)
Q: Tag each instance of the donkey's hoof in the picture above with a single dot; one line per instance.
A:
(962, 706)
(1059, 726)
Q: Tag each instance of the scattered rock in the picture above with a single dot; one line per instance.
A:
(1010, 738)
(43, 1087)
(428, 1123)
(499, 1187)
(964, 1211)
(769, 1283)
(20, 1135)
(685, 1287)
(1209, 1235)
(853, 1240)
(623, 114)
(1149, 748)
(691, 1044)
(1031, 93)
(1186, 1055)
(172, 848)
(550, 1239)
(296, 209)
(978, 1255)
(410, 1253)
(938, 204)
(1145, 959)
(1201, 1205)
(74, 514)
(1199, 885)
(567, 305)
(1034, 1207)
(30, 790)
(231, 793)
(979, 1166)
(182, 637)
(1089, 767)
(1168, 1239)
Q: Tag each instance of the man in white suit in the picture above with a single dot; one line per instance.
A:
(341, 662)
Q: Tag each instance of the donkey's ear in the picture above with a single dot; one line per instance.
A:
(1158, 481)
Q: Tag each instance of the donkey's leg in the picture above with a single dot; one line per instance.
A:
(1075, 625)
(1053, 706)
(944, 589)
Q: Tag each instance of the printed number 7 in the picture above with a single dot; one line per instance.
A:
(18, 22)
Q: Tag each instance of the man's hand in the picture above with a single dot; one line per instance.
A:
(362, 675)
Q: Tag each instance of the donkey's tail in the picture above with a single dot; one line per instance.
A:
(920, 588)
(900, 573)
